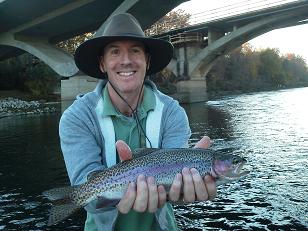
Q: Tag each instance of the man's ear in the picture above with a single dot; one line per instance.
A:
(148, 61)
(101, 65)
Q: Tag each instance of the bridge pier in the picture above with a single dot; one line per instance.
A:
(188, 91)
(191, 91)
(73, 86)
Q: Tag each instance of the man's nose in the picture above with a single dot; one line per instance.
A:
(125, 58)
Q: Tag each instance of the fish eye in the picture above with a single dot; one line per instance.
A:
(236, 161)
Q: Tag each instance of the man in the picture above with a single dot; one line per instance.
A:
(127, 108)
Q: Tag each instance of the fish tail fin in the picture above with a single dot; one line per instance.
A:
(63, 205)
(61, 212)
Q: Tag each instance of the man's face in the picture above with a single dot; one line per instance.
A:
(125, 63)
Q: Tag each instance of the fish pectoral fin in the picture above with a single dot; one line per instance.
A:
(103, 202)
(61, 212)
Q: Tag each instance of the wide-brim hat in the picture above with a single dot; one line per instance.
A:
(122, 27)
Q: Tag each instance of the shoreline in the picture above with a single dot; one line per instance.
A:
(12, 104)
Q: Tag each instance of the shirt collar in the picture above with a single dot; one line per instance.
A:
(148, 103)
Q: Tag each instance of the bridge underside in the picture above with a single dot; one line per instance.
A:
(44, 23)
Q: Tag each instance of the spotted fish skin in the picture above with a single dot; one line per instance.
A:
(106, 188)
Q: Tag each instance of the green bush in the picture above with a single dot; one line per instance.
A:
(27, 73)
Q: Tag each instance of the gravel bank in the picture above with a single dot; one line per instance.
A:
(12, 106)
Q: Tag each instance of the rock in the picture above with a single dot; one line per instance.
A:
(11, 106)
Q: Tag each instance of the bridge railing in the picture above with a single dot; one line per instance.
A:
(187, 37)
(238, 8)
(229, 10)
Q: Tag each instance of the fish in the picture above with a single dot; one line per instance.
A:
(105, 188)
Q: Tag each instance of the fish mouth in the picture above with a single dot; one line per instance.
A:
(237, 173)
(234, 173)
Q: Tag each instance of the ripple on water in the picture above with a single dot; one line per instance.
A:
(269, 129)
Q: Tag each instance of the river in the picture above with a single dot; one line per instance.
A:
(269, 129)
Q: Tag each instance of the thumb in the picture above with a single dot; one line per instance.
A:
(205, 142)
(123, 150)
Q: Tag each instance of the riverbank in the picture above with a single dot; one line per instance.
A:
(15, 102)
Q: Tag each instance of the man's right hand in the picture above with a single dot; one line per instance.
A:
(143, 196)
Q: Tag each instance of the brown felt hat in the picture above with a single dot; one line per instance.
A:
(122, 27)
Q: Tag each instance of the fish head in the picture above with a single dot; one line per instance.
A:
(228, 167)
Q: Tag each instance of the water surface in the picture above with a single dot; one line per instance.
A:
(269, 129)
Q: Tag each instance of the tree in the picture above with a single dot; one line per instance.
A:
(271, 67)
(172, 20)
(71, 44)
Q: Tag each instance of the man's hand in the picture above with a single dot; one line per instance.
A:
(194, 187)
(146, 195)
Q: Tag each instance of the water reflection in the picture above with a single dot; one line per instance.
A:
(269, 129)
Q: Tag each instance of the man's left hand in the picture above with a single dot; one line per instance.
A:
(194, 187)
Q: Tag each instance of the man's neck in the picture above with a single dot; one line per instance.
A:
(120, 104)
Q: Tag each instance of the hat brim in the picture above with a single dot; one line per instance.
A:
(87, 54)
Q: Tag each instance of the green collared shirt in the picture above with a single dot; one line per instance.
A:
(126, 128)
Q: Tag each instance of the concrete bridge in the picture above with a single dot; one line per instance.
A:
(35, 26)
(199, 46)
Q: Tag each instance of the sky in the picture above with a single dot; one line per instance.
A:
(287, 40)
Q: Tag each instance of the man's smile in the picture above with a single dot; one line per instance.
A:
(126, 73)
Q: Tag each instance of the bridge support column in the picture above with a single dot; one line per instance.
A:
(74, 86)
(214, 34)
(191, 91)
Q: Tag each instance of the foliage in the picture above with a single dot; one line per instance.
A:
(172, 20)
(70, 45)
(41, 80)
(27, 73)
(248, 70)
(9, 70)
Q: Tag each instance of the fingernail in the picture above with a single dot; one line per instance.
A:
(141, 177)
(194, 171)
(185, 170)
(132, 185)
(151, 180)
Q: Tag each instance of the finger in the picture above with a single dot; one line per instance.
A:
(123, 150)
(188, 186)
(127, 201)
(141, 201)
(200, 189)
(210, 185)
(153, 195)
(205, 142)
(175, 189)
(162, 196)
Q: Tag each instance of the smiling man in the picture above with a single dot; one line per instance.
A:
(125, 112)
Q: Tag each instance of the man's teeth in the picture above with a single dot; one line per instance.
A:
(126, 73)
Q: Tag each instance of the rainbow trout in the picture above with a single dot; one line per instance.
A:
(106, 188)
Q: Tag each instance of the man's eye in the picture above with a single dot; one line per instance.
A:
(114, 52)
(136, 50)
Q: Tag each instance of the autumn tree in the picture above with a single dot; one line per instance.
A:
(71, 44)
(172, 20)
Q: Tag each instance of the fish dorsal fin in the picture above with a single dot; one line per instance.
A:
(138, 152)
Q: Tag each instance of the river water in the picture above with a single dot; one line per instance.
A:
(269, 129)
